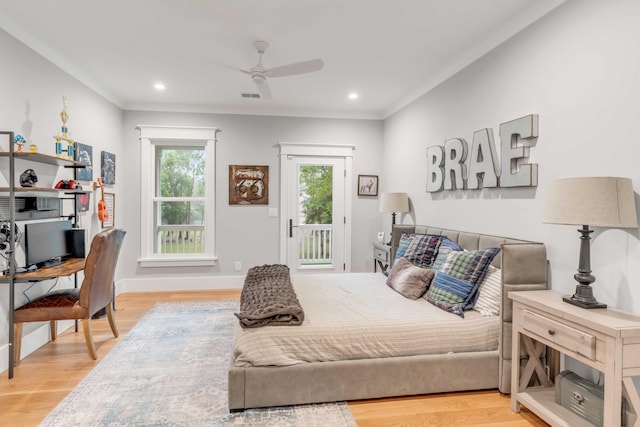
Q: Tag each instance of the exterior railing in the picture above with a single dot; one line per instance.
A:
(180, 239)
(314, 243)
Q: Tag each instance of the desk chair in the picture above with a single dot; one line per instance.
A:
(95, 293)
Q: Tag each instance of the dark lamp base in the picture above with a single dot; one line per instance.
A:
(572, 300)
(584, 298)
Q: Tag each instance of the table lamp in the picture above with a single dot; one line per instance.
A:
(394, 203)
(590, 201)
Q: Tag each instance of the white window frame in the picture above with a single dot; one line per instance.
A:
(176, 136)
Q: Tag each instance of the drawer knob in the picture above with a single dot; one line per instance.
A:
(551, 332)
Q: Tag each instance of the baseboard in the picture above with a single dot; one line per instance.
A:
(160, 284)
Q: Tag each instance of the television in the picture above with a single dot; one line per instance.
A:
(46, 242)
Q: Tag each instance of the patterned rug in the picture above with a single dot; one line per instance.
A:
(171, 370)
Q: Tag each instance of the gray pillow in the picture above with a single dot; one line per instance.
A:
(408, 280)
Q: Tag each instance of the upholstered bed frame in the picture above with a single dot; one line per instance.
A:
(524, 267)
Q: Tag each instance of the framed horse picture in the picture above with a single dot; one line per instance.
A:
(367, 185)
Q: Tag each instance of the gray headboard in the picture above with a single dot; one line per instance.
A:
(524, 268)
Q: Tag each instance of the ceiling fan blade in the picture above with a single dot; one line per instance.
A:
(296, 68)
(263, 86)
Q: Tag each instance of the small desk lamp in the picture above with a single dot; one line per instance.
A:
(595, 201)
(393, 203)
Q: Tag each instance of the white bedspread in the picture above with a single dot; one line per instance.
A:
(357, 316)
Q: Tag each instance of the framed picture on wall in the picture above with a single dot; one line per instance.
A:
(367, 185)
(84, 155)
(110, 202)
(248, 185)
(84, 200)
(108, 167)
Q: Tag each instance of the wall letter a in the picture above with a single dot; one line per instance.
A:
(482, 166)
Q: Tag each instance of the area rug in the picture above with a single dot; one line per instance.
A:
(171, 370)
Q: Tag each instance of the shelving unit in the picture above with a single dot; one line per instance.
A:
(11, 278)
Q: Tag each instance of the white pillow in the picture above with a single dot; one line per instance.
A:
(490, 290)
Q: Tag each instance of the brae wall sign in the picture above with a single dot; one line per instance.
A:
(447, 170)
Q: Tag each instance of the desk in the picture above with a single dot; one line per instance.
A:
(67, 268)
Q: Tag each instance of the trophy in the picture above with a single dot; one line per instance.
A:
(64, 116)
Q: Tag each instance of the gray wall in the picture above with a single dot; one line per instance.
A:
(246, 233)
(577, 68)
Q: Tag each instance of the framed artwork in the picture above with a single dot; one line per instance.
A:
(110, 202)
(367, 185)
(84, 155)
(248, 185)
(108, 167)
(84, 199)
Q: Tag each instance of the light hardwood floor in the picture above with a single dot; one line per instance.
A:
(45, 377)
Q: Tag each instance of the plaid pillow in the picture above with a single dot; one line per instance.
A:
(449, 293)
(455, 287)
(446, 246)
(405, 241)
(469, 266)
(422, 249)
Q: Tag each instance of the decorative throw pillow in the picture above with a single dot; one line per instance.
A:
(408, 280)
(455, 286)
(405, 241)
(490, 293)
(422, 249)
(447, 245)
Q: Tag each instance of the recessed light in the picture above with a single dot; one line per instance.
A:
(159, 86)
(353, 96)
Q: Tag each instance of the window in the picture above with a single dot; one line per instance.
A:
(177, 196)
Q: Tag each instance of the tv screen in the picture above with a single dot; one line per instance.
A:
(46, 242)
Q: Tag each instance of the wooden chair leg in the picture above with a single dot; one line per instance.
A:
(88, 337)
(17, 343)
(54, 330)
(112, 321)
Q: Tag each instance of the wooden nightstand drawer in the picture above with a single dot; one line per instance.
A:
(381, 255)
(572, 339)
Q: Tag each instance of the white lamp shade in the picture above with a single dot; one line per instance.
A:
(394, 202)
(594, 201)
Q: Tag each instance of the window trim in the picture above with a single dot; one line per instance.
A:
(150, 138)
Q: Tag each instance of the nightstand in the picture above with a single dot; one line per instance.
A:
(381, 256)
(605, 339)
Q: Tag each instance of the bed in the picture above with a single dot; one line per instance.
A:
(406, 365)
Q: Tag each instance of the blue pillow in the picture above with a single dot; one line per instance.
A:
(405, 241)
(419, 249)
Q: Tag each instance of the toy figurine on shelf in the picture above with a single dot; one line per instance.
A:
(19, 141)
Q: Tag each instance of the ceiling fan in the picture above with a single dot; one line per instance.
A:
(259, 73)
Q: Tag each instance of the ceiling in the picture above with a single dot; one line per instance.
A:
(389, 52)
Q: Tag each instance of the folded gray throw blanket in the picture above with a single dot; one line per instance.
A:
(268, 298)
